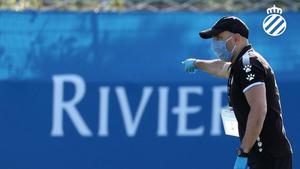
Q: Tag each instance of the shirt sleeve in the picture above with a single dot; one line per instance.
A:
(250, 74)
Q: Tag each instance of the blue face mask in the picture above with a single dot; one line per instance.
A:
(221, 51)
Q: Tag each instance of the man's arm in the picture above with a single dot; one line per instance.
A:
(256, 98)
(215, 67)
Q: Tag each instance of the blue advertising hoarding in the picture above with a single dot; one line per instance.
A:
(89, 90)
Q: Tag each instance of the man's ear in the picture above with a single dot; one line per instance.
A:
(237, 38)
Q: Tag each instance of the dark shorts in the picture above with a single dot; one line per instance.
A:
(270, 162)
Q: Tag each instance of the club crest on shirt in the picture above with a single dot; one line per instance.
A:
(250, 77)
(247, 68)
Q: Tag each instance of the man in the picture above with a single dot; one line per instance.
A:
(252, 94)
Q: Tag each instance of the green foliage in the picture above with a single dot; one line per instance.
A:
(152, 5)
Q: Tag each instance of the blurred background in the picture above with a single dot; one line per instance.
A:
(98, 84)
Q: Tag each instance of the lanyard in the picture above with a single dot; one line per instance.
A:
(229, 83)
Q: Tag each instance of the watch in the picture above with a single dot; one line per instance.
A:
(241, 153)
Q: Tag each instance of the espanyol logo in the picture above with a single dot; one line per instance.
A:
(274, 24)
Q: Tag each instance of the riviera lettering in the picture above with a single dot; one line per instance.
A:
(62, 107)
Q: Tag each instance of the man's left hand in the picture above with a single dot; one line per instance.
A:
(241, 163)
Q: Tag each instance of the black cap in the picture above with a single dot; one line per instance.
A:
(228, 23)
